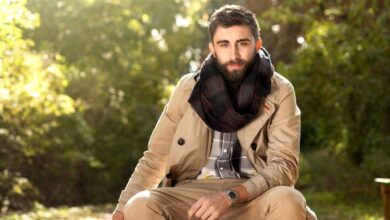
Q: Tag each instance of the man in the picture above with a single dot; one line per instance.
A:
(227, 142)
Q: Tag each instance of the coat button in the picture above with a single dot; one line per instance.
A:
(181, 141)
(253, 146)
(169, 176)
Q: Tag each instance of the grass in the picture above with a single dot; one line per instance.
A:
(101, 212)
(326, 205)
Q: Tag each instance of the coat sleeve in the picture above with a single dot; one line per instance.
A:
(283, 147)
(150, 168)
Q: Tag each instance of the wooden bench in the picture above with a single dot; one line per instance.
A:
(385, 192)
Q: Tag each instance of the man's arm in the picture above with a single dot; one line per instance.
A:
(211, 207)
(150, 168)
(283, 148)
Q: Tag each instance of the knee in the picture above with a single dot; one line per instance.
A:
(288, 199)
(136, 204)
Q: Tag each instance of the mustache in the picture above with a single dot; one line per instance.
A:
(237, 61)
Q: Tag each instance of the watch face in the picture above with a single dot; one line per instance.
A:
(232, 194)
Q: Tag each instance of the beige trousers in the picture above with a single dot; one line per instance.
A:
(172, 203)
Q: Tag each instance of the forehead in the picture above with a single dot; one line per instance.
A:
(232, 33)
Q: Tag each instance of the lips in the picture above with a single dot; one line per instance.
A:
(235, 65)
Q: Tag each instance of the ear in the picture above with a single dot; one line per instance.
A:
(211, 48)
(259, 44)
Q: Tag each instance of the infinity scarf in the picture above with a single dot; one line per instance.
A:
(212, 102)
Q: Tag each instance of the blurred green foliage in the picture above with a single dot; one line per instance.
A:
(342, 83)
(41, 127)
(82, 83)
(98, 77)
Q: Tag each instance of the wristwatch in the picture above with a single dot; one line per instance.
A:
(232, 196)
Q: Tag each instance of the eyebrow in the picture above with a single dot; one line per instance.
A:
(237, 41)
(242, 40)
(222, 41)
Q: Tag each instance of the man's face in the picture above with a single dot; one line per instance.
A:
(234, 49)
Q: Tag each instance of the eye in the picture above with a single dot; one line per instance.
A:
(223, 44)
(243, 44)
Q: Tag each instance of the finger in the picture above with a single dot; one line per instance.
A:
(214, 216)
(208, 213)
(194, 208)
(201, 210)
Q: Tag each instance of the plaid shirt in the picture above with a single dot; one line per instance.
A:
(226, 160)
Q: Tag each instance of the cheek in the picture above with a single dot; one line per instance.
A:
(222, 57)
(248, 54)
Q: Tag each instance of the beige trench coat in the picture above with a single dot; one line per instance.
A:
(181, 142)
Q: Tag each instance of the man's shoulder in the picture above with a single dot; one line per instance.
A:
(187, 81)
(280, 86)
(278, 80)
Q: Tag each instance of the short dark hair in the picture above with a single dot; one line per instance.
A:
(231, 15)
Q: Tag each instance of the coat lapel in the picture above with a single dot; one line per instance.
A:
(247, 134)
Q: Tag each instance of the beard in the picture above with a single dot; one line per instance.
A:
(236, 75)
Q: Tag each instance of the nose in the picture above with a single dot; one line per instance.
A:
(234, 53)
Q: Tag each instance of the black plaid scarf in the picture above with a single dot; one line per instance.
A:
(211, 100)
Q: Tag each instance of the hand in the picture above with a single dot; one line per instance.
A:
(118, 215)
(210, 207)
